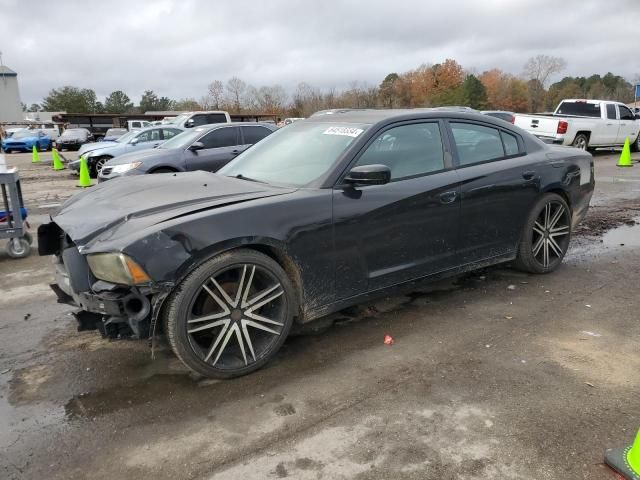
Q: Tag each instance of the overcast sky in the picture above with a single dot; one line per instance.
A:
(178, 47)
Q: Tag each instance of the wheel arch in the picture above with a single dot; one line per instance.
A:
(270, 247)
(587, 133)
(173, 168)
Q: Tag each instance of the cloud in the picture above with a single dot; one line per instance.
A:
(177, 47)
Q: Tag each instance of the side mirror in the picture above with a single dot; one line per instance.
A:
(369, 175)
(189, 123)
(135, 141)
(637, 116)
(195, 146)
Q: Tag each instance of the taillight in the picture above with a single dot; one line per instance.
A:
(562, 126)
(513, 119)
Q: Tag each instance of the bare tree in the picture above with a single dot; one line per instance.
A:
(236, 88)
(537, 71)
(216, 94)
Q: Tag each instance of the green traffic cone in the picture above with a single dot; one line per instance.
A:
(35, 158)
(57, 163)
(625, 156)
(626, 461)
(85, 180)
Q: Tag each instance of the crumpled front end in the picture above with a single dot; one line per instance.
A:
(117, 310)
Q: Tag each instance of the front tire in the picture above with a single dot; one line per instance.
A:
(546, 235)
(97, 165)
(231, 314)
(18, 247)
(581, 141)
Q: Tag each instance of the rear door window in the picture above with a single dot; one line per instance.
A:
(199, 120)
(221, 137)
(254, 134)
(216, 118)
(611, 111)
(476, 143)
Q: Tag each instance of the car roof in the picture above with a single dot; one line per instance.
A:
(372, 116)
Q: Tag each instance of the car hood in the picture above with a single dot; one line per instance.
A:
(21, 140)
(87, 147)
(148, 154)
(124, 206)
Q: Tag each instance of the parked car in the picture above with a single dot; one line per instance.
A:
(51, 129)
(198, 119)
(113, 134)
(73, 139)
(501, 114)
(131, 142)
(137, 125)
(585, 124)
(202, 148)
(318, 216)
(24, 140)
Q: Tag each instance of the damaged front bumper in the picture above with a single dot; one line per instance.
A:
(117, 311)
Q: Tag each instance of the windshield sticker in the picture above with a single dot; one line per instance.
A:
(345, 131)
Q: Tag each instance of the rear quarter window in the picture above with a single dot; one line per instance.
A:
(580, 109)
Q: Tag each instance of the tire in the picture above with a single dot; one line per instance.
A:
(41, 147)
(635, 146)
(28, 237)
(18, 248)
(581, 141)
(252, 297)
(164, 170)
(545, 239)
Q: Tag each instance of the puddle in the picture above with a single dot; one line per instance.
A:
(625, 235)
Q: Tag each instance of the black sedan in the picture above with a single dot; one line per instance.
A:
(318, 216)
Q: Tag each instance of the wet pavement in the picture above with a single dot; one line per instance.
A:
(496, 374)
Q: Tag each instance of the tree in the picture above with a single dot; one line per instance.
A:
(34, 107)
(388, 91)
(187, 104)
(216, 94)
(504, 91)
(71, 100)
(236, 88)
(538, 70)
(118, 102)
(150, 102)
(24, 106)
(473, 93)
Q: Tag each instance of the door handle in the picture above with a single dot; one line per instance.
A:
(609, 124)
(528, 175)
(448, 197)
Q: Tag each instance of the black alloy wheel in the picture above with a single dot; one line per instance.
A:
(546, 237)
(231, 314)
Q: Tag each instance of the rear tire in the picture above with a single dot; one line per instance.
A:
(546, 235)
(581, 141)
(635, 146)
(231, 314)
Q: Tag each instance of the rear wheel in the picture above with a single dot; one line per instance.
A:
(581, 141)
(231, 314)
(635, 146)
(546, 235)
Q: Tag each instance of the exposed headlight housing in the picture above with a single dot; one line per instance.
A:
(116, 268)
(125, 167)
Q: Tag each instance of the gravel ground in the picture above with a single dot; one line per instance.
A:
(496, 374)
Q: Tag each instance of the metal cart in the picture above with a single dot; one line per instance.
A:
(13, 218)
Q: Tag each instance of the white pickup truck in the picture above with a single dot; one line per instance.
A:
(585, 124)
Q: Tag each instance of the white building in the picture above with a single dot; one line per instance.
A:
(10, 104)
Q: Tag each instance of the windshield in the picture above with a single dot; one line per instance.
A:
(25, 134)
(73, 132)
(126, 137)
(178, 119)
(295, 155)
(184, 139)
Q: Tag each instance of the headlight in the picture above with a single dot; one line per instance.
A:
(116, 268)
(125, 167)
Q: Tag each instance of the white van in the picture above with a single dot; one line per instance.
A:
(135, 125)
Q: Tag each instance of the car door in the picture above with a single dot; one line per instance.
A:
(499, 185)
(628, 125)
(405, 229)
(608, 134)
(147, 139)
(220, 146)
